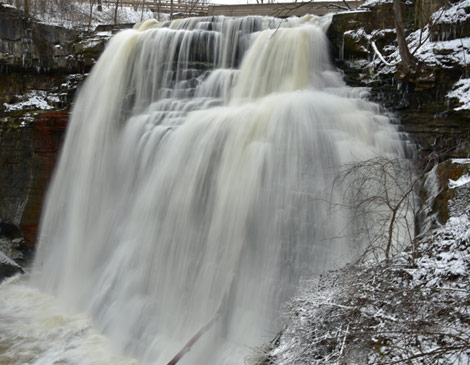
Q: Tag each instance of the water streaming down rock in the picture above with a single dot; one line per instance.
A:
(193, 179)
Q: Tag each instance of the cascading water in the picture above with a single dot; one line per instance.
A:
(194, 185)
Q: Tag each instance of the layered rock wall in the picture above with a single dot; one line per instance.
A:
(27, 45)
(433, 121)
(41, 67)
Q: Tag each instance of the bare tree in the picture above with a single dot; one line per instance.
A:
(116, 12)
(27, 8)
(380, 193)
(407, 59)
(90, 17)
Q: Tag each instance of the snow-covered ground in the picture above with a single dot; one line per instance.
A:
(414, 310)
(84, 15)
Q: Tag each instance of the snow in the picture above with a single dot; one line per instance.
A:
(353, 11)
(463, 180)
(456, 14)
(447, 256)
(445, 54)
(77, 15)
(357, 34)
(461, 92)
(34, 100)
(462, 161)
(375, 2)
(5, 260)
(413, 310)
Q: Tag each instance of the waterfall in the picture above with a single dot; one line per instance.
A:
(195, 183)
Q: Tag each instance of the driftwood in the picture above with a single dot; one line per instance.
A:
(187, 347)
(193, 340)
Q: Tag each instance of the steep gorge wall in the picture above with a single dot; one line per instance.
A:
(41, 67)
(419, 100)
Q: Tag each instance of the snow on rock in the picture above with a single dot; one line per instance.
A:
(5, 260)
(34, 100)
(462, 161)
(463, 180)
(8, 267)
(458, 13)
(461, 92)
(428, 51)
(370, 3)
(444, 54)
(357, 34)
(11, 248)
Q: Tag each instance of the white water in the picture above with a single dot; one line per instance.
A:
(180, 193)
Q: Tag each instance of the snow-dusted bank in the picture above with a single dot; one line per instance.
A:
(413, 310)
(84, 15)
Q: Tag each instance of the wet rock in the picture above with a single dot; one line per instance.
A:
(362, 27)
(8, 267)
(27, 157)
(12, 248)
(47, 132)
(444, 194)
(25, 44)
(41, 48)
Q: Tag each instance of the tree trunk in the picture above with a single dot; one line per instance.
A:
(116, 12)
(407, 59)
(171, 10)
(26, 8)
(90, 17)
(100, 5)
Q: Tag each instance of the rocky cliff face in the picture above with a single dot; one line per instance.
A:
(41, 67)
(28, 150)
(433, 120)
(27, 45)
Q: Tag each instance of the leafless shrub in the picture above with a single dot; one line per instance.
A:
(381, 194)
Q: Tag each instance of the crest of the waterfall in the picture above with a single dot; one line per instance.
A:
(192, 183)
